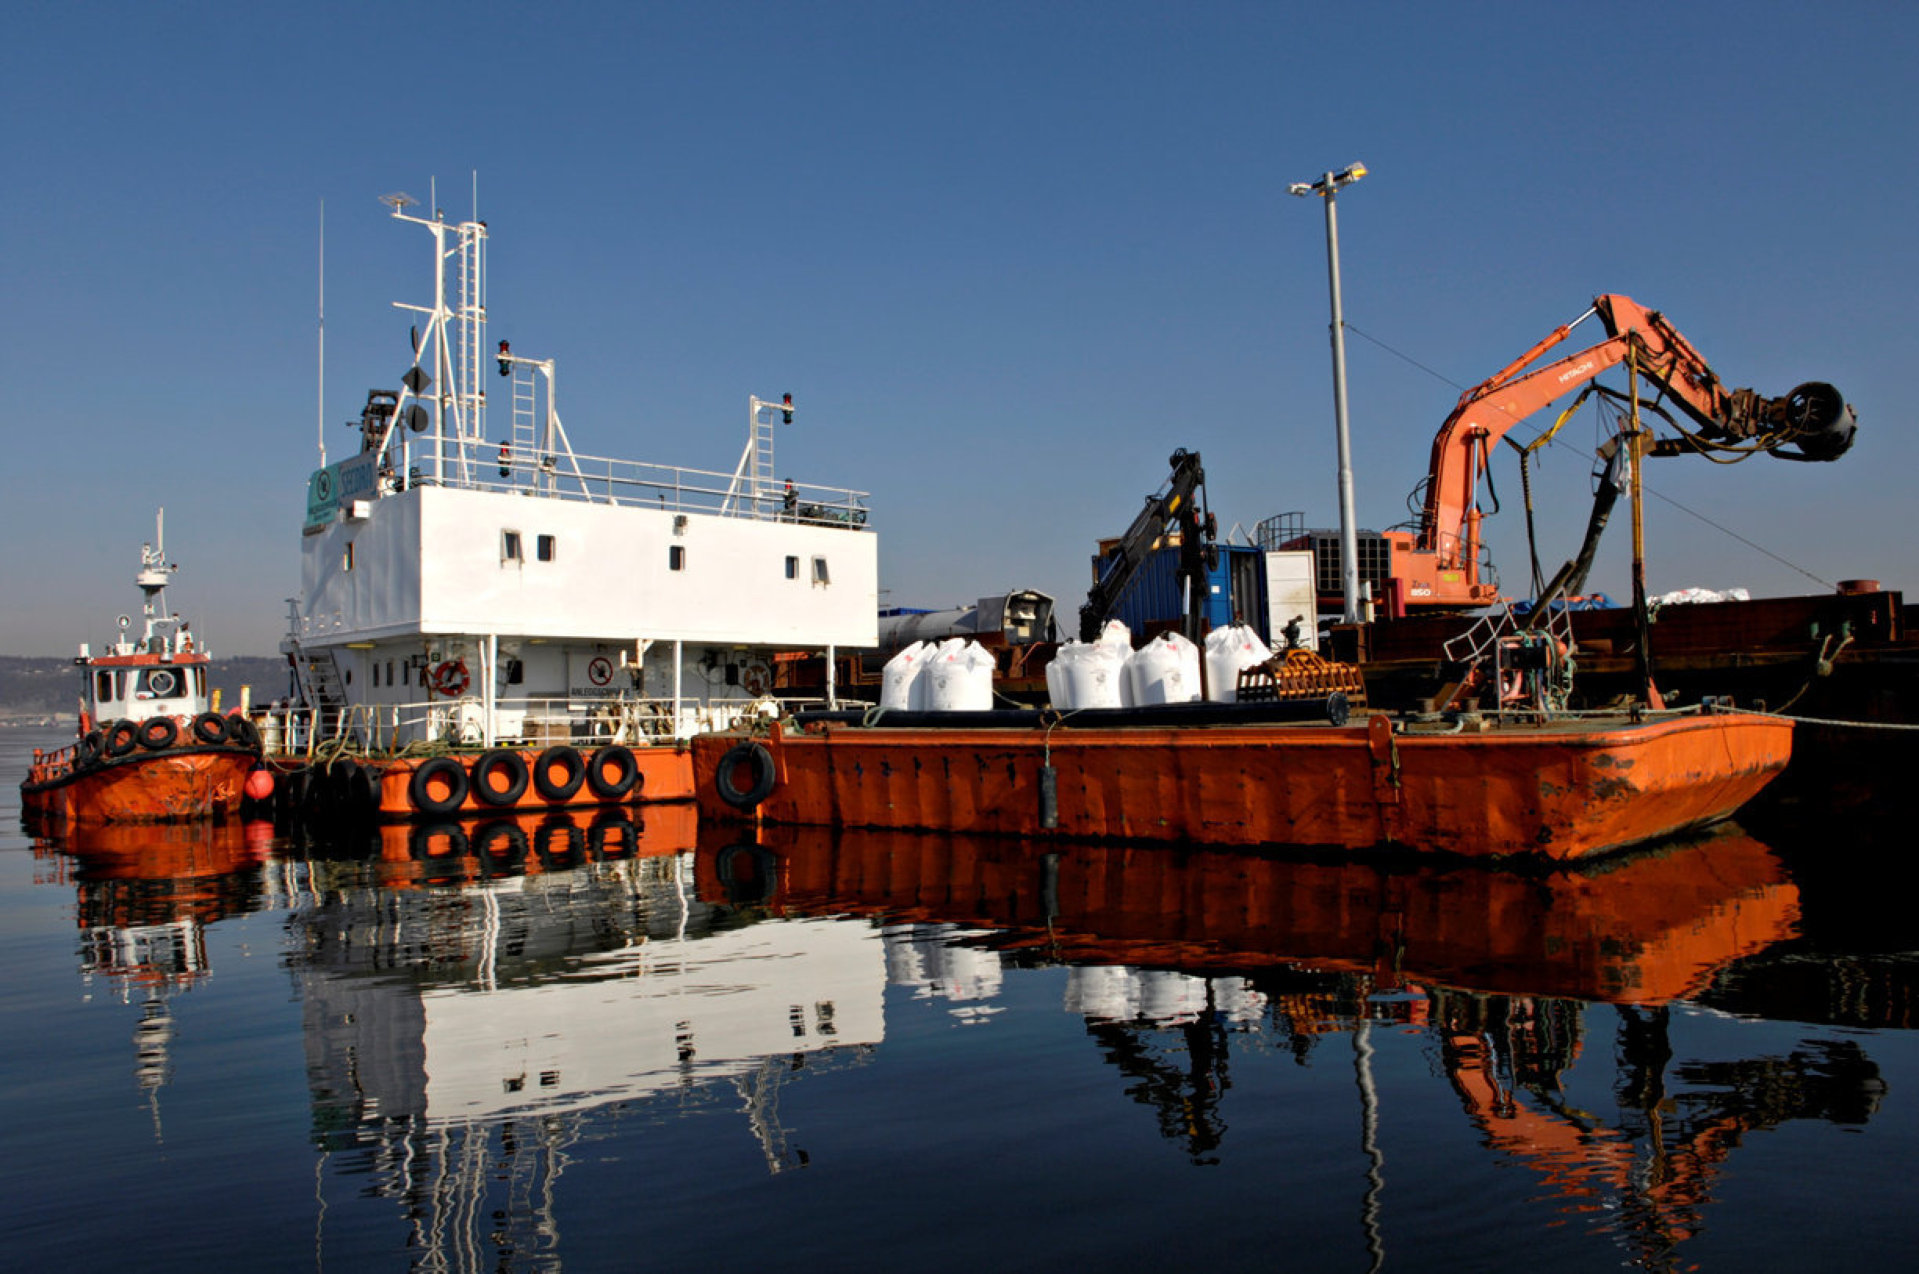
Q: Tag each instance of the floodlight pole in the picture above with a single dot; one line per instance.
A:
(1326, 188)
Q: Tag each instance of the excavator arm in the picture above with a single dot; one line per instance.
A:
(1813, 422)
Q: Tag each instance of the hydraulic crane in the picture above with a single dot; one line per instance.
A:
(1180, 503)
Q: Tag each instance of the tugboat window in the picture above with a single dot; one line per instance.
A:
(161, 683)
(676, 557)
(820, 574)
(510, 546)
(103, 686)
(792, 568)
(545, 547)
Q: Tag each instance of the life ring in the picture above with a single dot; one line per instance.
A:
(612, 835)
(760, 777)
(438, 787)
(757, 678)
(210, 728)
(242, 731)
(450, 678)
(162, 682)
(553, 829)
(501, 845)
(420, 843)
(89, 750)
(571, 768)
(157, 734)
(122, 737)
(613, 772)
(507, 765)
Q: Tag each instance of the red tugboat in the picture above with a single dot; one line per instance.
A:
(150, 749)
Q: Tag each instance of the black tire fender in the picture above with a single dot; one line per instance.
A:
(626, 772)
(507, 762)
(441, 769)
(210, 728)
(760, 775)
(157, 734)
(122, 737)
(564, 757)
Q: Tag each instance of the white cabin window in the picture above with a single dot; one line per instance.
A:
(820, 574)
(200, 682)
(676, 557)
(510, 550)
(103, 687)
(792, 568)
(546, 548)
(346, 562)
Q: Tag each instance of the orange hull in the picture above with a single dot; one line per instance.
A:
(146, 787)
(1562, 790)
(392, 789)
(1648, 929)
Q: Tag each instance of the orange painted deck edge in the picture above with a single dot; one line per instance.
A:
(1560, 794)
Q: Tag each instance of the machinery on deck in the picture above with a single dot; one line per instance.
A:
(1440, 565)
(1178, 505)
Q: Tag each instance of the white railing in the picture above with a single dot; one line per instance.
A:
(476, 466)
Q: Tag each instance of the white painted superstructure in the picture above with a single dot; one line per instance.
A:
(499, 589)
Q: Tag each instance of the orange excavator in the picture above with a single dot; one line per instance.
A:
(1440, 566)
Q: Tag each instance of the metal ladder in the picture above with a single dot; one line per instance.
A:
(765, 486)
(525, 436)
(322, 689)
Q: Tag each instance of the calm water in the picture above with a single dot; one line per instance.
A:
(941, 1054)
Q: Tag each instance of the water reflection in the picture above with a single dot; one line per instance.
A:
(481, 1002)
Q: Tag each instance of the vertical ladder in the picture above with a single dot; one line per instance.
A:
(765, 486)
(322, 689)
(525, 436)
(468, 386)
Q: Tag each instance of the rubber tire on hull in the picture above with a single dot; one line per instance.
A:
(759, 763)
(559, 791)
(123, 736)
(243, 732)
(512, 764)
(157, 734)
(89, 750)
(626, 772)
(210, 728)
(419, 790)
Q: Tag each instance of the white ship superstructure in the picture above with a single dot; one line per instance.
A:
(502, 588)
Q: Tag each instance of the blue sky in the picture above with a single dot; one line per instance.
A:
(1007, 258)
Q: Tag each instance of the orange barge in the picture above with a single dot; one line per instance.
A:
(1561, 788)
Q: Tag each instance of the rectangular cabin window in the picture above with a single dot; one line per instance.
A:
(376, 674)
(820, 574)
(103, 686)
(515, 673)
(510, 547)
(676, 557)
(200, 682)
(347, 562)
(389, 673)
(792, 568)
(546, 548)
